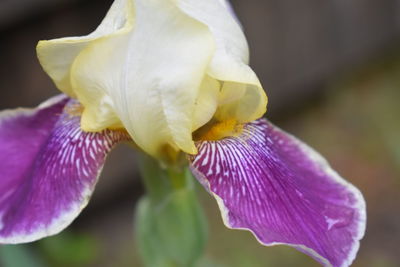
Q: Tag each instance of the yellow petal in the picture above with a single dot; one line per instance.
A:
(150, 74)
(242, 102)
(206, 103)
(230, 60)
(159, 68)
(56, 56)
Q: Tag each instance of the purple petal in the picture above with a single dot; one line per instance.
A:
(268, 182)
(48, 168)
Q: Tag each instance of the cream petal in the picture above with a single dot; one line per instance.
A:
(230, 60)
(159, 68)
(152, 74)
(56, 56)
(206, 103)
(242, 102)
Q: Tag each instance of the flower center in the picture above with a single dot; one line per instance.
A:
(74, 108)
(217, 130)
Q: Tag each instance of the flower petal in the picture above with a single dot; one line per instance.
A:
(57, 56)
(152, 73)
(229, 63)
(206, 103)
(148, 66)
(270, 183)
(48, 168)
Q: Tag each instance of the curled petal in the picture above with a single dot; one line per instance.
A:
(159, 68)
(247, 100)
(281, 190)
(48, 168)
(56, 56)
(144, 75)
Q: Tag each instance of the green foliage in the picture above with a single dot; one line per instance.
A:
(69, 249)
(18, 256)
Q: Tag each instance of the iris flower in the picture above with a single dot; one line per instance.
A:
(173, 78)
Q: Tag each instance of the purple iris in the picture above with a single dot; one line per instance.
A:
(264, 180)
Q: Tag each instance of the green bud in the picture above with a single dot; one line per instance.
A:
(170, 225)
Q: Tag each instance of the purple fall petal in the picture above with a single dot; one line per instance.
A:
(268, 182)
(48, 168)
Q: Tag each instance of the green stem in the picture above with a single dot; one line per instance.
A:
(161, 181)
(154, 178)
(170, 224)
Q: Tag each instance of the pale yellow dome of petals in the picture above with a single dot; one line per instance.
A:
(160, 69)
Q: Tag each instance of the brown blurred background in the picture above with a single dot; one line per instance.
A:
(331, 69)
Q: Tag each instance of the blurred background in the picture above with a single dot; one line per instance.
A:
(331, 69)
